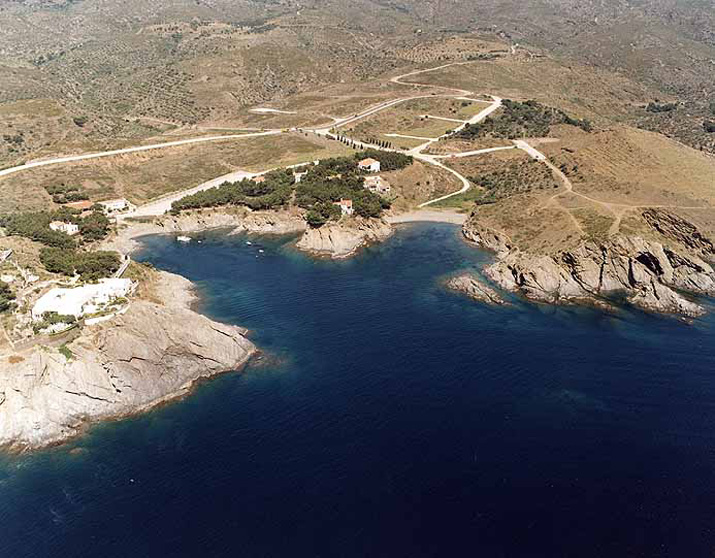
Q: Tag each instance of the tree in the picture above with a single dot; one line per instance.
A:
(95, 226)
(709, 126)
(58, 260)
(92, 266)
(6, 297)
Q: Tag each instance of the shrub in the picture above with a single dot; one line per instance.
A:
(528, 119)
(709, 126)
(661, 107)
(95, 226)
(6, 297)
(91, 266)
(80, 120)
(36, 226)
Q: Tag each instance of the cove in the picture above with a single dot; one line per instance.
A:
(389, 417)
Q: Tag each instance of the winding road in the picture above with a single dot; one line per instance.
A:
(73, 158)
(163, 204)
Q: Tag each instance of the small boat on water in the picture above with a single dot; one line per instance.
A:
(248, 242)
(183, 238)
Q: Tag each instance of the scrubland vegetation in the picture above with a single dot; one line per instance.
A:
(60, 252)
(519, 120)
(322, 185)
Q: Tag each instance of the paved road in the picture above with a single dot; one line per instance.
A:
(161, 205)
(164, 145)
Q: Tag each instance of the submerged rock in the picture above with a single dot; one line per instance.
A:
(473, 287)
(153, 353)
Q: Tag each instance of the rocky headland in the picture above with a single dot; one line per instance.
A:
(154, 352)
(344, 238)
(652, 272)
(472, 286)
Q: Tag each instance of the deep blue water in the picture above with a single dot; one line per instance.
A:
(390, 418)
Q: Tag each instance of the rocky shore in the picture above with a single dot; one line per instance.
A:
(652, 273)
(155, 352)
(343, 239)
(336, 239)
(470, 285)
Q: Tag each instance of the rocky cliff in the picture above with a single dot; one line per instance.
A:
(344, 238)
(652, 274)
(151, 354)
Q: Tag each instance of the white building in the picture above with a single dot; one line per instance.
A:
(80, 301)
(377, 184)
(298, 176)
(4, 255)
(369, 165)
(116, 206)
(346, 206)
(67, 228)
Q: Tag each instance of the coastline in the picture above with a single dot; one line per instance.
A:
(155, 353)
(125, 241)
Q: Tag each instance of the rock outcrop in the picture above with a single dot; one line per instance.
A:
(149, 355)
(473, 287)
(263, 222)
(651, 274)
(344, 238)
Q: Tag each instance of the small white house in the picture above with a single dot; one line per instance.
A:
(346, 206)
(116, 206)
(369, 165)
(67, 228)
(377, 184)
(298, 176)
(80, 301)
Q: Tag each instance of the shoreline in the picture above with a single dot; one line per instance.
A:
(154, 354)
(125, 240)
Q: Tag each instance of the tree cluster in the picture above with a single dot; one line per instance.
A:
(321, 186)
(661, 107)
(274, 192)
(36, 226)
(64, 193)
(90, 266)
(6, 297)
(528, 119)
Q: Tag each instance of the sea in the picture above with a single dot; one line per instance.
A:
(389, 417)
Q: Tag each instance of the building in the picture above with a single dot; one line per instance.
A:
(369, 165)
(83, 205)
(260, 179)
(377, 184)
(80, 301)
(119, 205)
(298, 176)
(346, 206)
(67, 228)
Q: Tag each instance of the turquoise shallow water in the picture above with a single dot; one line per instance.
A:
(392, 418)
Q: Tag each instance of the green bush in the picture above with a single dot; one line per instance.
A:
(36, 226)
(91, 266)
(528, 119)
(661, 107)
(95, 226)
(52, 318)
(6, 297)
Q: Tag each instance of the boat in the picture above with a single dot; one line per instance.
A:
(183, 238)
